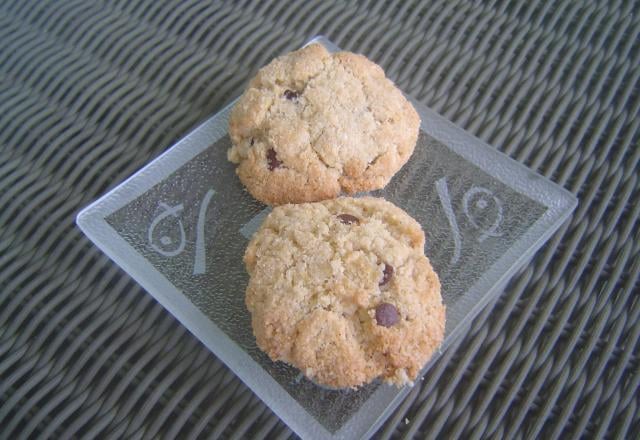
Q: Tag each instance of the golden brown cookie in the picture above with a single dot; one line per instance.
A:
(312, 124)
(342, 290)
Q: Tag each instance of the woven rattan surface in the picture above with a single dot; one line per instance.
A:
(90, 91)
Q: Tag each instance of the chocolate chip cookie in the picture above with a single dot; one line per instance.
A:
(342, 290)
(312, 124)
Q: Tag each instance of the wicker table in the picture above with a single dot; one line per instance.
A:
(91, 91)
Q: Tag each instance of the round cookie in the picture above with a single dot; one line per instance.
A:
(312, 124)
(341, 289)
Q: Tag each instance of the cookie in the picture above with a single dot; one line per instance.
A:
(342, 290)
(312, 125)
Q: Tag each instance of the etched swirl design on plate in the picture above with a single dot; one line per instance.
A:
(199, 257)
(477, 204)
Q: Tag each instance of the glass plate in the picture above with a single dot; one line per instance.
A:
(180, 226)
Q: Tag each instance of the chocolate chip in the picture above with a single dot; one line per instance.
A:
(349, 219)
(387, 315)
(291, 95)
(272, 160)
(387, 273)
(252, 140)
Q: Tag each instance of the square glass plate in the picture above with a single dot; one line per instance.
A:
(180, 226)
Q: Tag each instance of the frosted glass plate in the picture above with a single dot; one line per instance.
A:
(180, 225)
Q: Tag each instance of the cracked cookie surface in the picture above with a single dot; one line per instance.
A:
(342, 290)
(312, 124)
